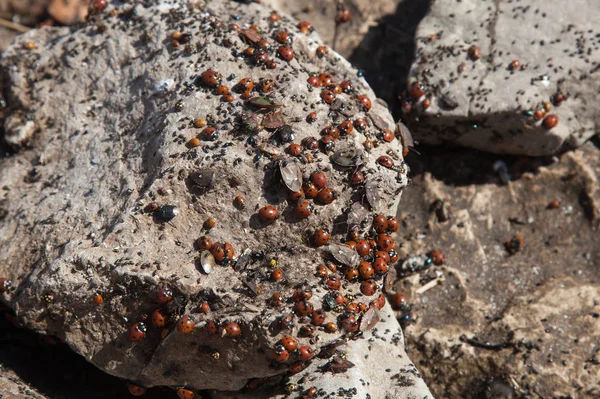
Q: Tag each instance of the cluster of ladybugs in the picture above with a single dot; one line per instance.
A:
(183, 325)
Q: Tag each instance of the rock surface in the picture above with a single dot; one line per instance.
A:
(101, 117)
(488, 324)
(528, 55)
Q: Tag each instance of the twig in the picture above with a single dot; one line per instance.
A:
(13, 25)
(429, 285)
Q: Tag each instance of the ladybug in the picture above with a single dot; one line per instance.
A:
(289, 344)
(151, 207)
(294, 150)
(277, 275)
(305, 27)
(286, 322)
(313, 81)
(325, 79)
(363, 248)
(303, 308)
(384, 242)
(392, 224)
(311, 118)
(368, 144)
(185, 325)
(351, 274)
(239, 202)
(437, 256)
(360, 125)
(98, 300)
(318, 318)
(158, 318)
(217, 251)
(393, 255)
(266, 85)
(380, 223)
(330, 327)
(328, 96)
(357, 178)
(337, 89)
(364, 101)
(233, 330)
(380, 266)
(246, 84)
(539, 114)
(303, 210)
(222, 90)
(321, 51)
(212, 327)
(417, 91)
(301, 294)
(474, 53)
(387, 135)
(386, 161)
(426, 104)
(346, 127)
(310, 143)
(260, 57)
(280, 355)
(268, 214)
(331, 131)
(349, 322)
(550, 121)
(319, 179)
(204, 307)
(334, 283)
(276, 299)
(204, 243)
(164, 295)
(95, 7)
(209, 223)
(286, 53)
(343, 15)
(365, 270)
(305, 353)
(351, 244)
(321, 237)
(228, 250)
(136, 390)
(558, 98)
(346, 86)
(249, 52)
(368, 287)
(282, 36)
(322, 271)
(514, 65)
(515, 244)
(398, 301)
(326, 195)
(211, 78)
(307, 331)
(227, 98)
(297, 195)
(310, 191)
(383, 255)
(137, 332)
(209, 134)
(185, 393)
(327, 142)
(193, 143)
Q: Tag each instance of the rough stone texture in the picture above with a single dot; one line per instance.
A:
(100, 116)
(480, 104)
(525, 325)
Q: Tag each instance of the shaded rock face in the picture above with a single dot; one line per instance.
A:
(490, 323)
(494, 71)
(102, 118)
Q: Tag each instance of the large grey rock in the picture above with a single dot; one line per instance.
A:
(100, 116)
(481, 103)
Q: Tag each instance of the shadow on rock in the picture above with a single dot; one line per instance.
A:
(387, 51)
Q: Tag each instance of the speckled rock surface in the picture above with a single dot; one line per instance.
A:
(489, 324)
(101, 117)
(488, 103)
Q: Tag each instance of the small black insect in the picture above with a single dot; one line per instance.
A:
(166, 213)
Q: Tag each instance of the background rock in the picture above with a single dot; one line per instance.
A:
(480, 103)
(100, 118)
(501, 325)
